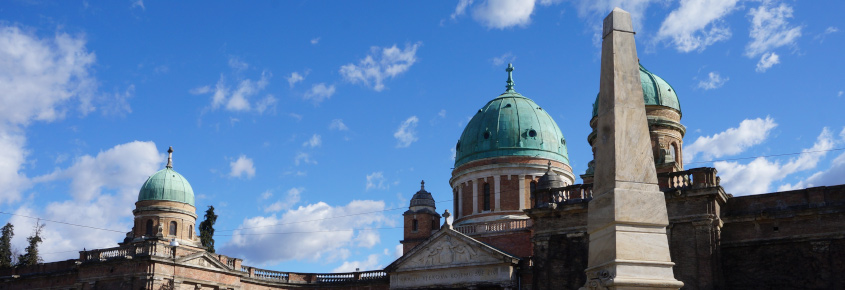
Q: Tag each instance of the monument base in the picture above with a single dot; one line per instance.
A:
(628, 244)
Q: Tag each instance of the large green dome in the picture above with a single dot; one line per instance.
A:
(511, 125)
(656, 91)
(167, 184)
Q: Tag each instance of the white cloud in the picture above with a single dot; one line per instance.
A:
(596, 10)
(315, 40)
(315, 141)
(242, 166)
(406, 134)
(714, 81)
(303, 158)
(757, 176)
(268, 103)
(319, 93)
(832, 176)
(238, 99)
(337, 124)
(840, 94)
(139, 4)
(768, 60)
(118, 103)
(502, 59)
(827, 31)
(770, 30)
(732, 141)
(442, 113)
(294, 78)
(101, 192)
(697, 24)
(371, 263)
(41, 78)
(398, 252)
(461, 8)
(381, 64)
(376, 180)
(291, 198)
(502, 14)
(322, 238)
(267, 194)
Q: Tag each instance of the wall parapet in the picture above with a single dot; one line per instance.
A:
(494, 226)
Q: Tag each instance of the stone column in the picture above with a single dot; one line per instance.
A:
(627, 216)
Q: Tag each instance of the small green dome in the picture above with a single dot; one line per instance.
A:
(167, 184)
(511, 125)
(656, 91)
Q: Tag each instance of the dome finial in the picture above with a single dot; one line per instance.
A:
(422, 185)
(170, 157)
(550, 166)
(510, 78)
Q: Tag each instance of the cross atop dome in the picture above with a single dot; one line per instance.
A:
(510, 78)
(422, 185)
(170, 157)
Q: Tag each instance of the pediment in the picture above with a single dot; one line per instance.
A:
(204, 260)
(448, 248)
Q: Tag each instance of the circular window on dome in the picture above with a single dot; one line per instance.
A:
(486, 134)
(563, 141)
(532, 133)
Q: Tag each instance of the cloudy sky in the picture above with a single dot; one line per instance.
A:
(309, 124)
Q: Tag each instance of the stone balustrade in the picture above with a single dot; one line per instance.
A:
(126, 252)
(689, 179)
(492, 227)
(545, 198)
(312, 278)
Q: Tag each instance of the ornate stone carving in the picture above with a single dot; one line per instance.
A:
(598, 280)
(445, 252)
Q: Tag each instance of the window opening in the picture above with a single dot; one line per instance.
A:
(172, 228)
(486, 196)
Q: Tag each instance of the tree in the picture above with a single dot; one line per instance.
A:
(207, 229)
(6, 246)
(31, 256)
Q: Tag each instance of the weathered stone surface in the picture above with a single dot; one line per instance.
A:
(453, 277)
(627, 217)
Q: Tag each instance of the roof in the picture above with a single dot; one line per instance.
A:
(656, 92)
(511, 125)
(169, 185)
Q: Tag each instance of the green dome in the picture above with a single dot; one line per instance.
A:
(511, 125)
(167, 184)
(656, 91)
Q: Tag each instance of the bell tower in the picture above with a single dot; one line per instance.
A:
(421, 219)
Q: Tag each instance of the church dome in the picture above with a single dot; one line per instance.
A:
(422, 197)
(511, 125)
(656, 92)
(167, 185)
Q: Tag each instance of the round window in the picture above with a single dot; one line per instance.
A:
(532, 133)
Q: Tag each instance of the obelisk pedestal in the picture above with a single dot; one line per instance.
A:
(627, 217)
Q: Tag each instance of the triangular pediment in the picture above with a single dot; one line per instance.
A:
(203, 259)
(449, 248)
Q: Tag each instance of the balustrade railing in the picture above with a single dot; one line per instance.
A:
(270, 275)
(126, 252)
(491, 227)
(543, 198)
(333, 278)
(689, 179)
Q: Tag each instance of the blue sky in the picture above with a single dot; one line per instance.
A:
(301, 120)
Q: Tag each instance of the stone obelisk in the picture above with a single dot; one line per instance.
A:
(627, 217)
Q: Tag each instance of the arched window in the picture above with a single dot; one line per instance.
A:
(533, 186)
(191, 232)
(434, 224)
(486, 196)
(414, 225)
(673, 150)
(173, 228)
(455, 199)
(149, 228)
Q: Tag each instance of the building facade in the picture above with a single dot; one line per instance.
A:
(520, 222)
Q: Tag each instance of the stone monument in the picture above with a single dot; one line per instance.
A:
(627, 217)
